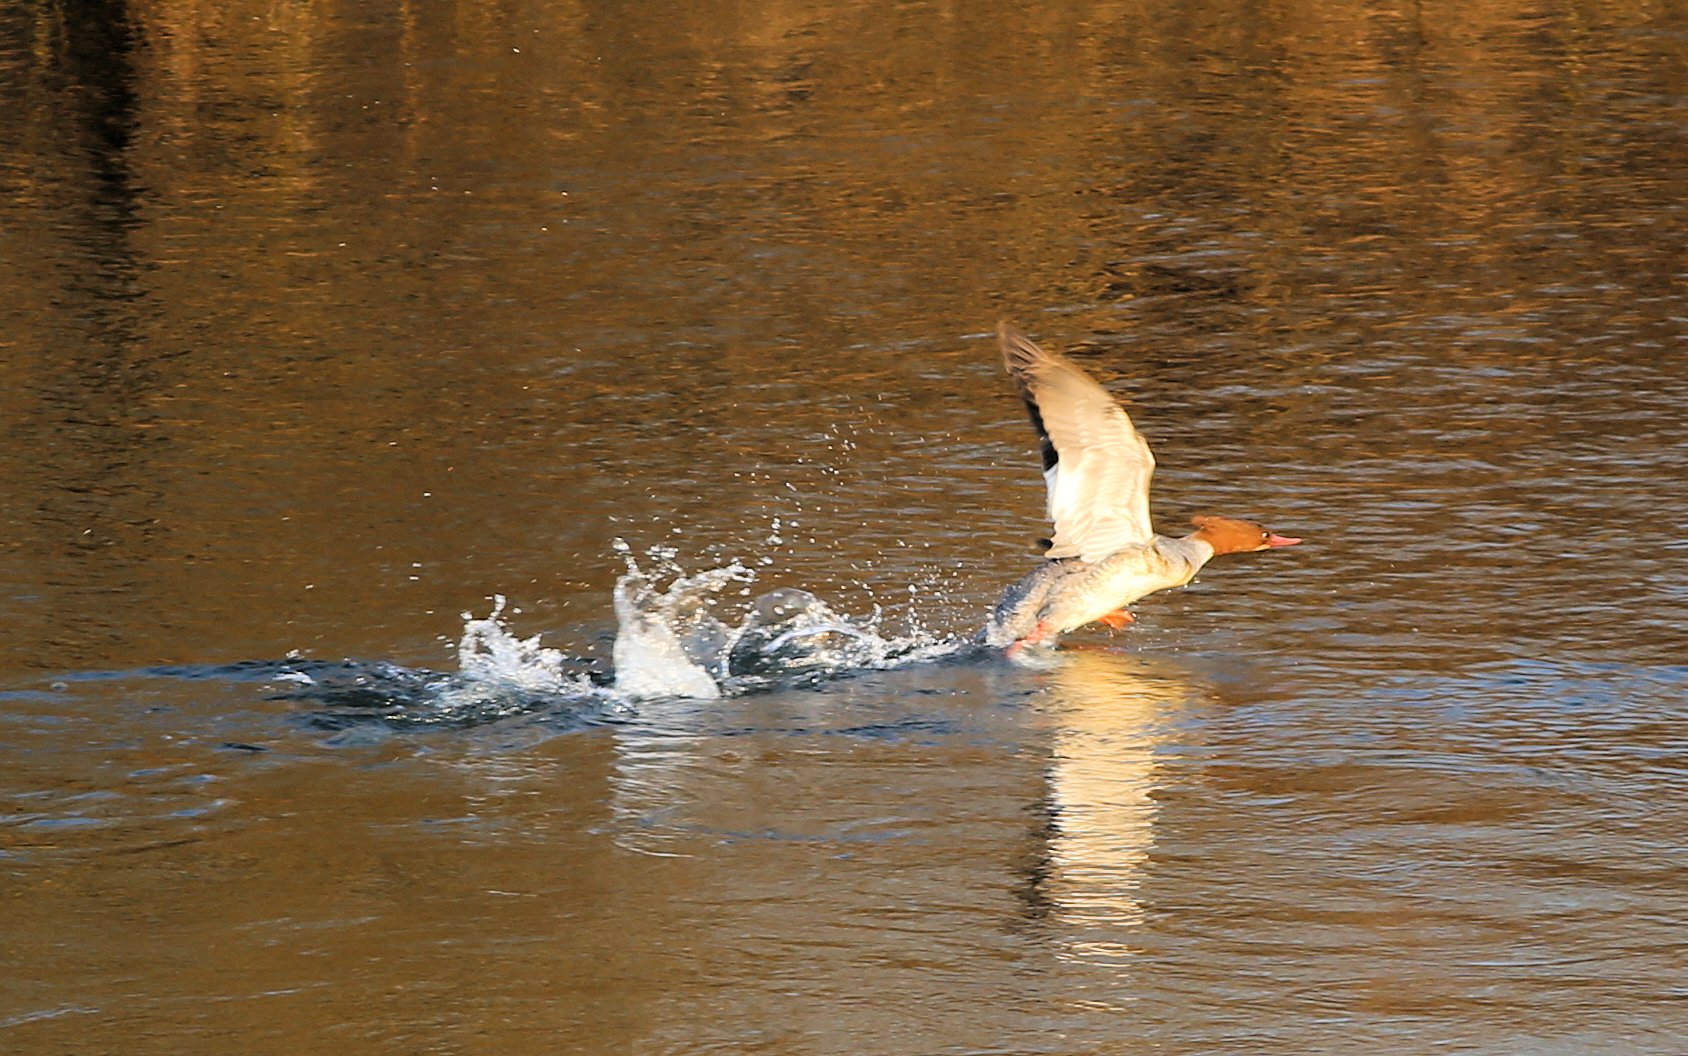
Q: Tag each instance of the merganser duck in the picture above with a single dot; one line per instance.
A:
(1104, 554)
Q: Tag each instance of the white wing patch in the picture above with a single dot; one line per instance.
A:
(1099, 485)
(1099, 499)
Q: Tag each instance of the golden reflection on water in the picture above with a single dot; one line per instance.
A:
(1112, 712)
(319, 294)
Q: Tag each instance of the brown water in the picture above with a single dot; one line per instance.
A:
(324, 323)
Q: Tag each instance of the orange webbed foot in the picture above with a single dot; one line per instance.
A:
(1117, 619)
(1037, 635)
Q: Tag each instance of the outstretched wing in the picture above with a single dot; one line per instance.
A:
(1095, 462)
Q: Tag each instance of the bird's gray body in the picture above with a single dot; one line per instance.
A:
(1063, 594)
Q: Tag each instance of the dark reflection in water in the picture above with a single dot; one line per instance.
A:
(93, 53)
(83, 452)
(322, 323)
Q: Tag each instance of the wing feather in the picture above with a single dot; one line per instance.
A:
(1096, 464)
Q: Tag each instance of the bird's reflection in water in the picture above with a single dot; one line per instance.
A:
(1112, 713)
(810, 788)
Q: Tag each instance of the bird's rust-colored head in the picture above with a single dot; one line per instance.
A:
(1229, 535)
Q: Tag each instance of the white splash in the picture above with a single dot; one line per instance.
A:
(492, 660)
(666, 642)
(669, 643)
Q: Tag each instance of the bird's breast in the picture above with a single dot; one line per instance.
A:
(1119, 580)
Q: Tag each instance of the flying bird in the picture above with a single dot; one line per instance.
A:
(1103, 554)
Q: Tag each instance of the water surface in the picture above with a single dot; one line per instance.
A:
(324, 325)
